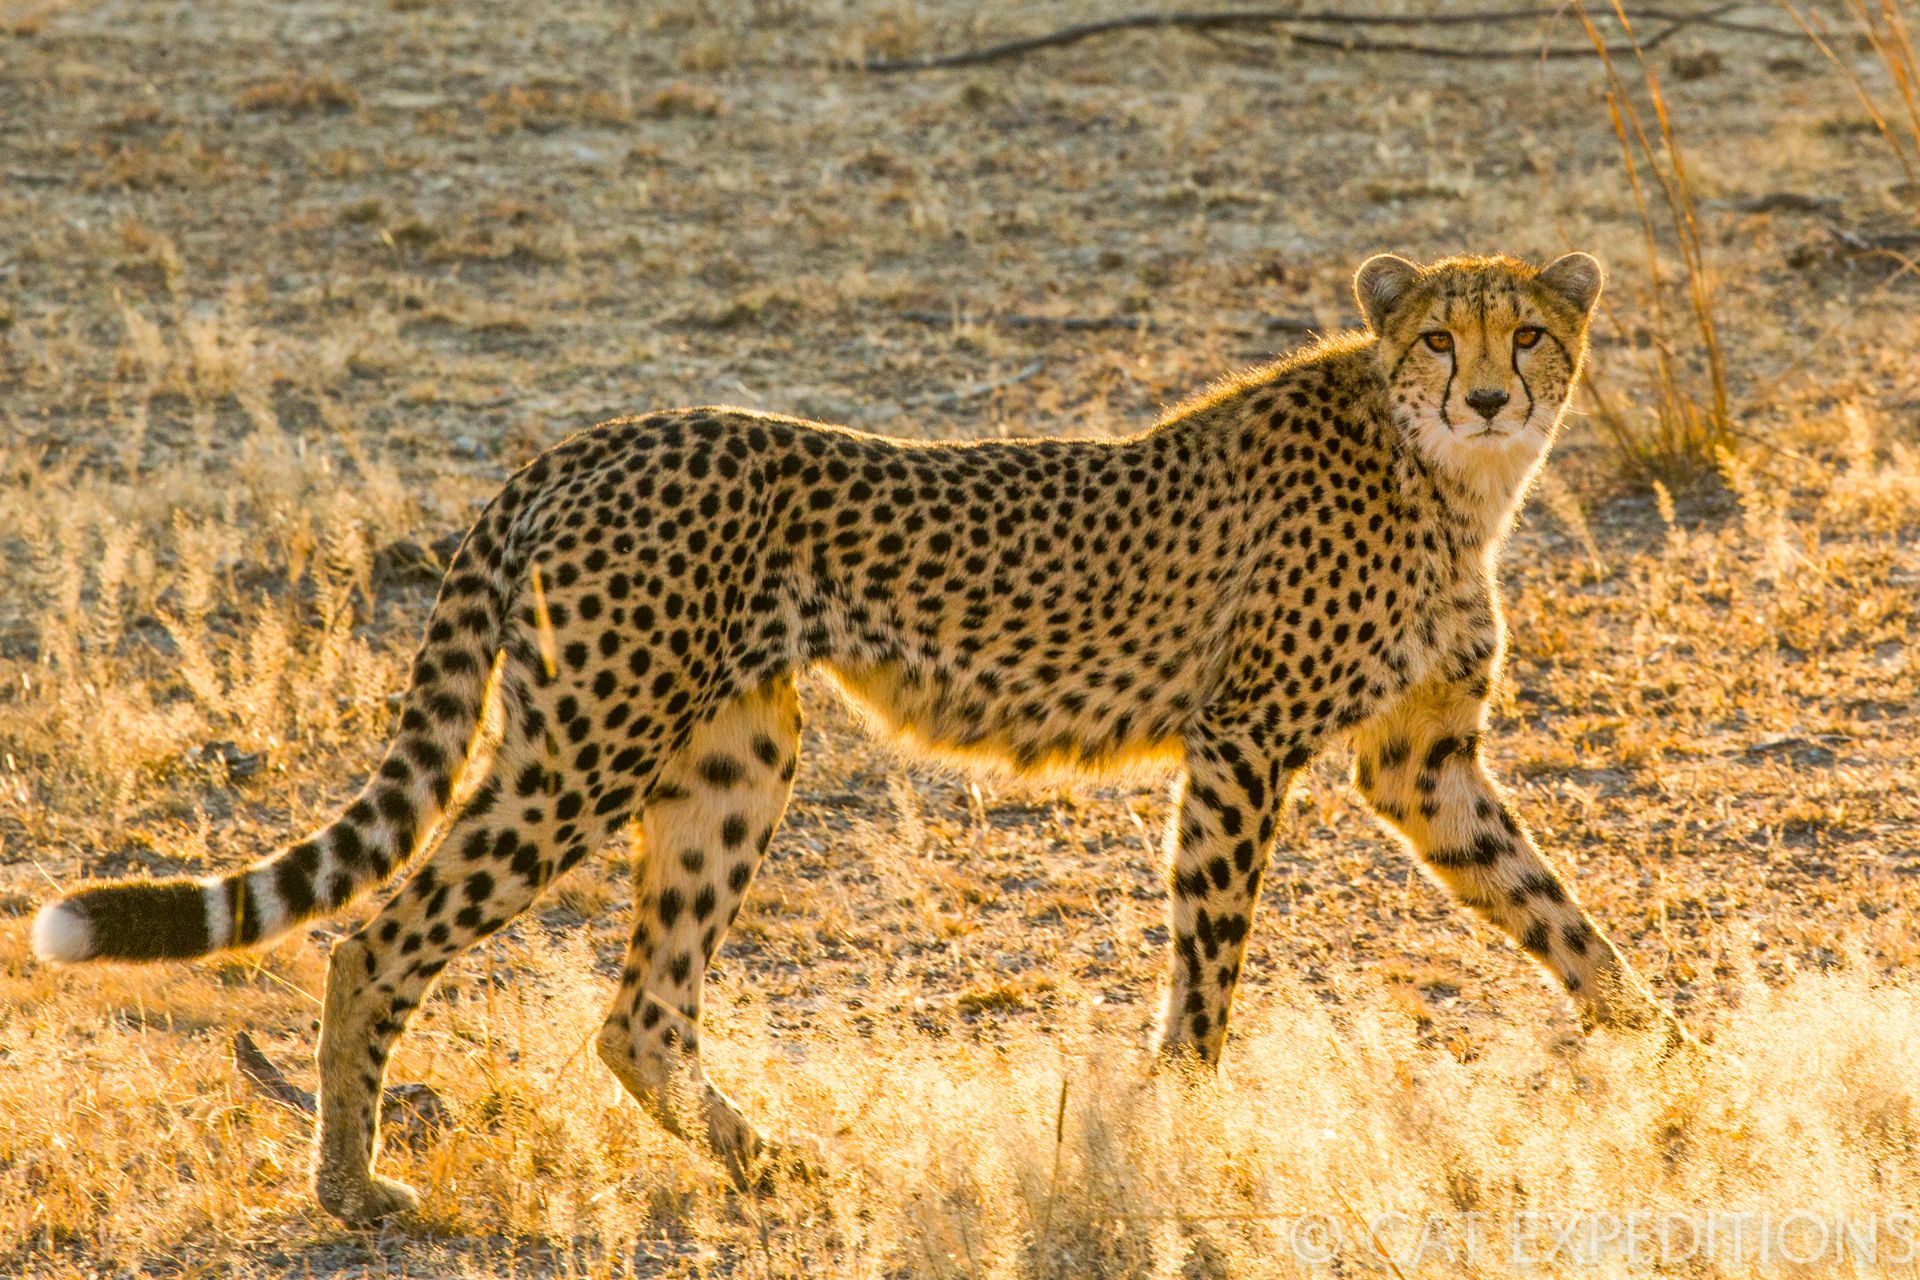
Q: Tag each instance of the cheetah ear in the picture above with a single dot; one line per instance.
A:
(1577, 277)
(1380, 284)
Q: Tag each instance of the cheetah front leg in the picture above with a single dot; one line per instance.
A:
(1219, 840)
(1418, 766)
(706, 825)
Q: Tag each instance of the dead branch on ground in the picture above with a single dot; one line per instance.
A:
(978, 389)
(1674, 21)
(1084, 324)
(418, 1110)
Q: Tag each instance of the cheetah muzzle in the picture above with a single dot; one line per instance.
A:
(1302, 555)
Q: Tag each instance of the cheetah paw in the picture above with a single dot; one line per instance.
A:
(364, 1201)
(773, 1163)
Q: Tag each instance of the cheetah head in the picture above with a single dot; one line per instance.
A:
(1480, 357)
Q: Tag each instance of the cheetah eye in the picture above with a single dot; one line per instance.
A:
(1527, 335)
(1437, 340)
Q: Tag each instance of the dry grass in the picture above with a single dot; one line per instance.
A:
(255, 365)
(1685, 369)
(1893, 104)
(1048, 1156)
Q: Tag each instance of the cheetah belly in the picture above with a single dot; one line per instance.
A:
(955, 718)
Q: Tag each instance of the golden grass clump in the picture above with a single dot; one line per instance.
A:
(545, 107)
(297, 93)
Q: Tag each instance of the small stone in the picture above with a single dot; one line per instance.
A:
(237, 764)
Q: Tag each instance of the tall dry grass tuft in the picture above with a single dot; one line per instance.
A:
(1673, 336)
(1882, 25)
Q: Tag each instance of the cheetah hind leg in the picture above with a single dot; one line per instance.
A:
(496, 857)
(706, 825)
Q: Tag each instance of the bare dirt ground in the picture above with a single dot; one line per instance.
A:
(286, 289)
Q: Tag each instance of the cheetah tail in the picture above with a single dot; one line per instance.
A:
(378, 832)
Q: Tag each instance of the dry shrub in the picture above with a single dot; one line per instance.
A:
(260, 672)
(299, 93)
(686, 100)
(213, 352)
(543, 107)
(177, 161)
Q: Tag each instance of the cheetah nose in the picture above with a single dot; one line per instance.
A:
(1486, 402)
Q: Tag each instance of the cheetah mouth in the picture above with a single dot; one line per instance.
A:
(1498, 430)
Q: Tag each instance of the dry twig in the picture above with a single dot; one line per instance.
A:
(1290, 19)
(1085, 324)
(978, 389)
(1018, 320)
(417, 1108)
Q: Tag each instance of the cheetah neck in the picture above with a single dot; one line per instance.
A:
(1488, 496)
(1478, 491)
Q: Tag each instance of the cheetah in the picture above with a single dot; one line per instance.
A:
(1301, 556)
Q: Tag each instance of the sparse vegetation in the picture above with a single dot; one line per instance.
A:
(264, 344)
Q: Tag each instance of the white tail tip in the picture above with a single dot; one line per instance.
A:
(62, 934)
